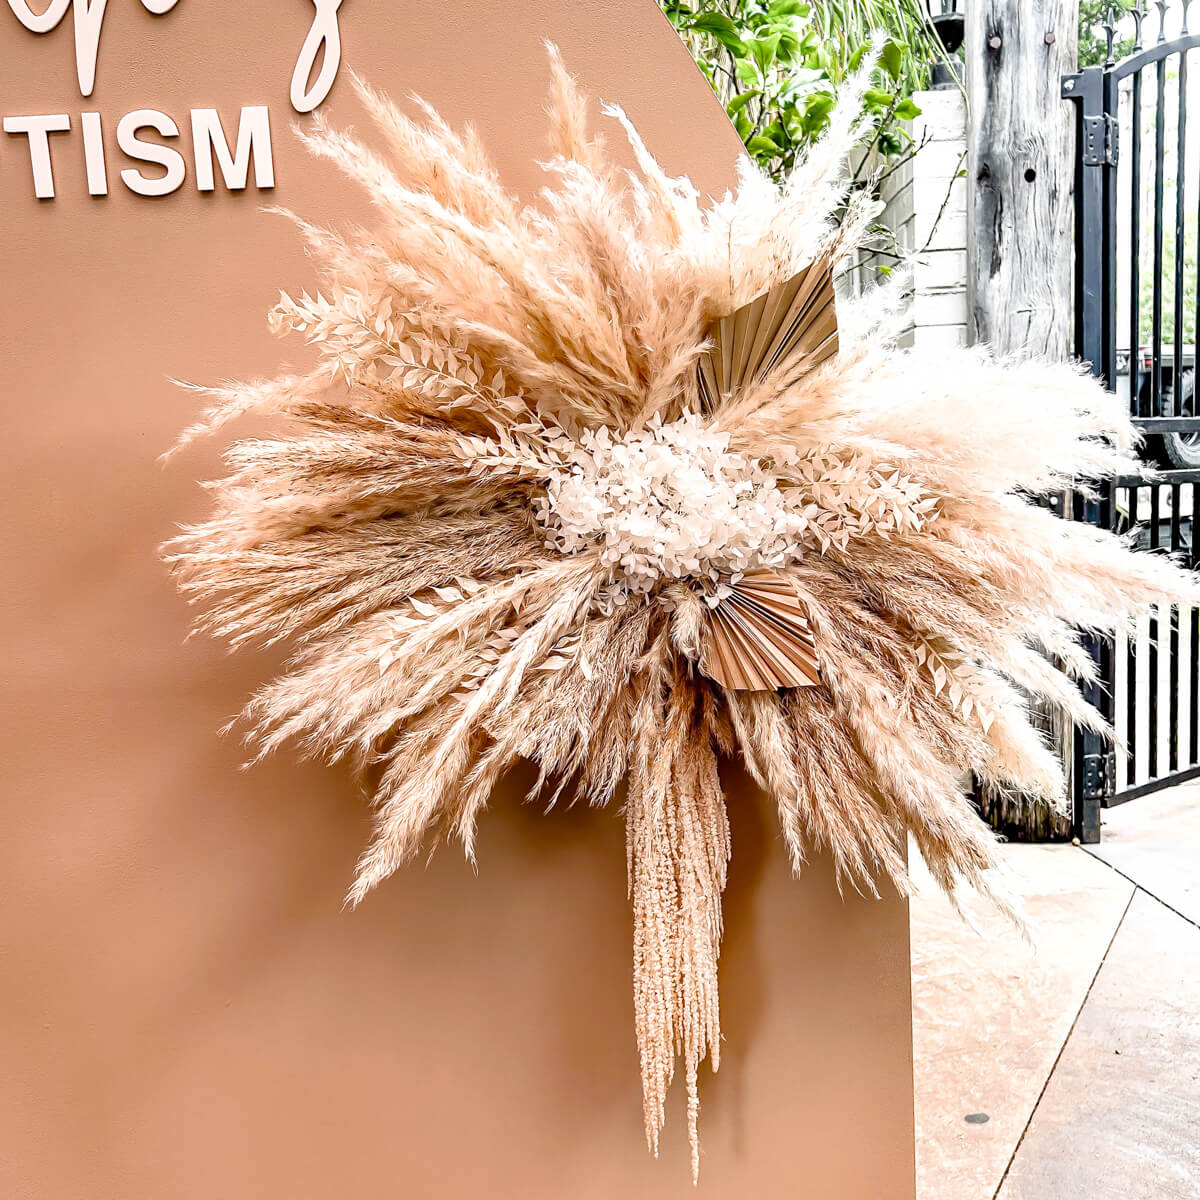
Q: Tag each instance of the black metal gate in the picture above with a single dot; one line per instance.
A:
(1137, 308)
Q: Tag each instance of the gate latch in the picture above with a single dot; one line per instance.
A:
(1100, 141)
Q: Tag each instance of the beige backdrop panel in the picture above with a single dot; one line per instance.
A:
(186, 1011)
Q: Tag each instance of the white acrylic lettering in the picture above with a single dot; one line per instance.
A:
(323, 35)
(165, 156)
(93, 154)
(253, 141)
(323, 42)
(89, 18)
(38, 130)
(41, 22)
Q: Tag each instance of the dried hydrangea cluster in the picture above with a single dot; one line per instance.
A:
(668, 502)
(515, 409)
(673, 501)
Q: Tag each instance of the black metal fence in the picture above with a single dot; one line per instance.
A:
(1137, 308)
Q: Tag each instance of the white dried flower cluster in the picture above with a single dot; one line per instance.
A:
(672, 501)
(667, 502)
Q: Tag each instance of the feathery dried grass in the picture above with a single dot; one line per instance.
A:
(389, 535)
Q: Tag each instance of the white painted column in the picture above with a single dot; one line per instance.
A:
(939, 203)
(925, 210)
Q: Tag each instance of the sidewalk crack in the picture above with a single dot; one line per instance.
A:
(1058, 1057)
(1140, 888)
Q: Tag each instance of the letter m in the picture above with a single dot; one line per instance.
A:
(253, 141)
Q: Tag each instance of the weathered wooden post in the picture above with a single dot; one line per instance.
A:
(1020, 137)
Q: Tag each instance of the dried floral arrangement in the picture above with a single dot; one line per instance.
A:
(607, 483)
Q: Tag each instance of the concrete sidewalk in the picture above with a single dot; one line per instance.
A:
(1069, 1068)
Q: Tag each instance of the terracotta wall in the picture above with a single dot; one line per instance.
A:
(186, 1012)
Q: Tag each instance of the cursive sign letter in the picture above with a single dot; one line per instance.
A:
(89, 18)
(324, 34)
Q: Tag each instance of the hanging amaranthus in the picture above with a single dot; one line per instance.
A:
(598, 483)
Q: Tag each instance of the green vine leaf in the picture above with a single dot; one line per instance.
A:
(777, 65)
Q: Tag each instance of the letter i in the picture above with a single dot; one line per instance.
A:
(93, 154)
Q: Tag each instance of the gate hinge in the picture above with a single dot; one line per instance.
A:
(1098, 771)
(1101, 136)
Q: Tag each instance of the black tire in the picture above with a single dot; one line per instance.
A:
(1180, 451)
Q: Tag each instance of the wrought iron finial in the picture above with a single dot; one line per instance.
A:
(1183, 29)
(1138, 12)
(1110, 32)
(1161, 5)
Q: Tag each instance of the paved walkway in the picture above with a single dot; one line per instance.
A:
(1067, 1068)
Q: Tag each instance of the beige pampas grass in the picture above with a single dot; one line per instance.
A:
(446, 535)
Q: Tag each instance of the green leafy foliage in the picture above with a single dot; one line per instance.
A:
(1093, 47)
(776, 65)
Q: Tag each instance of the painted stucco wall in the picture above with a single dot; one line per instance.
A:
(187, 1012)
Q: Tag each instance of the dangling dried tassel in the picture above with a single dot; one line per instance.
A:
(677, 833)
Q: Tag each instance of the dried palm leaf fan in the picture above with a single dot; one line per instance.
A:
(795, 321)
(758, 637)
(527, 507)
